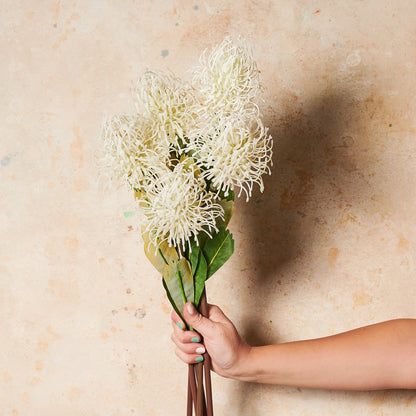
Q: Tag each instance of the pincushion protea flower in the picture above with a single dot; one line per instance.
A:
(169, 105)
(236, 152)
(178, 207)
(131, 151)
(227, 78)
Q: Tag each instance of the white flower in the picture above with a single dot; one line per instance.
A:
(178, 207)
(213, 127)
(228, 78)
(131, 151)
(235, 152)
(169, 104)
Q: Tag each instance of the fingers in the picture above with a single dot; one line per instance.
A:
(177, 320)
(188, 351)
(189, 347)
(183, 336)
(188, 358)
(216, 314)
(203, 325)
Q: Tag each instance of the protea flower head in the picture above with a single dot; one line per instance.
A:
(132, 152)
(169, 105)
(227, 77)
(178, 207)
(236, 152)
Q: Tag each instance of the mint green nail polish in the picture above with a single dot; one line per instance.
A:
(195, 339)
(179, 325)
(199, 359)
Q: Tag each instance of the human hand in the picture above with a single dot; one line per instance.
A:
(227, 350)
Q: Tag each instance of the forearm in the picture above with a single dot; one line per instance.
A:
(374, 357)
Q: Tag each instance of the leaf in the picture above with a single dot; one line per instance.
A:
(160, 256)
(177, 275)
(230, 196)
(200, 276)
(228, 207)
(140, 196)
(194, 256)
(218, 250)
(199, 270)
(172, 301)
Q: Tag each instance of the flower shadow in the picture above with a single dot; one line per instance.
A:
(316, 172)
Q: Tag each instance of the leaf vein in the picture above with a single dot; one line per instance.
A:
(219, 248)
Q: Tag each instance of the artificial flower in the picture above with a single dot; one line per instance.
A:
(178, 207)
(169, 105)
(131, 151)
(227, 78)
(236, 152)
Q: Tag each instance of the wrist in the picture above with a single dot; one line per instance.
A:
(244, 369)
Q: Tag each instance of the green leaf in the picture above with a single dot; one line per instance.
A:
(218, 250)
(228, 195)
(160, 256)
(231, 195)
(194, 256)
(228, 207)
(200, 276)
(177, 275)
(199, 271)
(171, 300)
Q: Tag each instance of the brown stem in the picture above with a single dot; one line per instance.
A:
(208, 389)
(189, 398)
(207, 360)
(192, 384)
(200, 400)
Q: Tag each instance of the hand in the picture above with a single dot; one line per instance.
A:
(227, 350)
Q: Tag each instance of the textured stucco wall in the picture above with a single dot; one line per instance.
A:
(329, 246)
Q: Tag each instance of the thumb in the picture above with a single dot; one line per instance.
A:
(194, 319)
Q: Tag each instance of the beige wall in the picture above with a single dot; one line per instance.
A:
(329, 246)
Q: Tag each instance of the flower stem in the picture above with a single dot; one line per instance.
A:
(161, 255)
(200, 393)
(207, 361)
(191, 388)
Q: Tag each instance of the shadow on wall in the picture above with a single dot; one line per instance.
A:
(316, 172)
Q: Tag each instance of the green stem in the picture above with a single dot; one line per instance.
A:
(181, 286)
(161, 255)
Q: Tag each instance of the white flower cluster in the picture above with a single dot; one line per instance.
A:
(188, 144)
(236, 153)
(168, 105)
(130, 150)
(179, 206)
(227, 78)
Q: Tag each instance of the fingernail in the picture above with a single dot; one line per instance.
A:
(191, 308)
(199, 359)
(195, 339)
(200, 350)
(179, 325)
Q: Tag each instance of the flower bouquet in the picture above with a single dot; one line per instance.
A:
(185, 150)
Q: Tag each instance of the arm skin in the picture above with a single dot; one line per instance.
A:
(380, 356)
